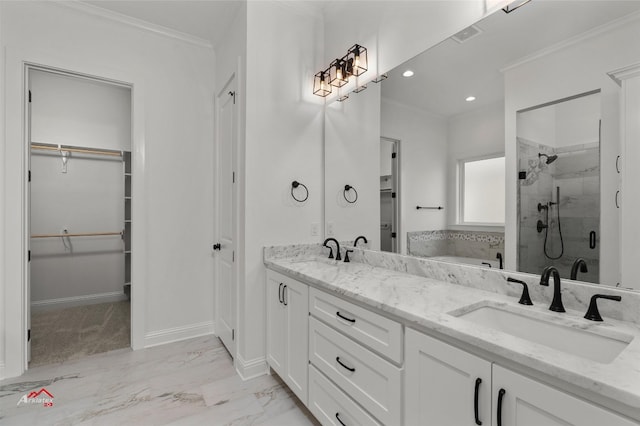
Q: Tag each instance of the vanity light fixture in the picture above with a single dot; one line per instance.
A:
(360, 88)
(321, 86)
(380, 78)
(407, 73)
(354, 63)
(338, 75)
(357, 60)
(470, 98)
(510, 8)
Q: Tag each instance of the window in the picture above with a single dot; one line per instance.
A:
(482, 183)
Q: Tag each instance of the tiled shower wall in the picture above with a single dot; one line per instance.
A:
(577, 173)
(479, 245)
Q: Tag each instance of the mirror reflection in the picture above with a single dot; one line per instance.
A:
(559, 187)
(514, 115)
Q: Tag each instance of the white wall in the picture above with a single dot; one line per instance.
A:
(352, 157)
(477, 133)
(88, 197)
(423, 165)
(173, 89)
(576, 68)
(284, 123)
(395, 31)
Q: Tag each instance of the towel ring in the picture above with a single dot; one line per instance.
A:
(295, 184)
(344, 194)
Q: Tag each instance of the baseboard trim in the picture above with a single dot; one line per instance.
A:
(176, 334)
(253, 368)
(68, 302)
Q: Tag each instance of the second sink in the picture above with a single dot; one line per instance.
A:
(567, 337)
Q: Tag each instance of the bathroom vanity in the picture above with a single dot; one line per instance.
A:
(389, 339)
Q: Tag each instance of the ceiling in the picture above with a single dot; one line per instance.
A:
(449, 72)
(206, 19)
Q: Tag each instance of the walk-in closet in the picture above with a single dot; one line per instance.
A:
(79, 130)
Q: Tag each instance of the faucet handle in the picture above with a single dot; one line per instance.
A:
(346, 255)
(592, 313)
(524, 299)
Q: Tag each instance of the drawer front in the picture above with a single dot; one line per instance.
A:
(331, 406)
(372, 330)
(370, 380)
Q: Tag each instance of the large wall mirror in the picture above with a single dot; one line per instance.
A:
(498, 147)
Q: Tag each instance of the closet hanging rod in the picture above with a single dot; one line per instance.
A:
(49, 147)
(78, 234)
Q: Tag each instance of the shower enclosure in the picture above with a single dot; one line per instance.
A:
(559, 186)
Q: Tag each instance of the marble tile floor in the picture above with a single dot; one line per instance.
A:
(191, 382)
(72, 333)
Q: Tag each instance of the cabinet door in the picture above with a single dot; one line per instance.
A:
(296, 300)
(443, 383)
(525, 402)
(276, 323)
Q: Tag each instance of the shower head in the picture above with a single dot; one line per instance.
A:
(549, 158)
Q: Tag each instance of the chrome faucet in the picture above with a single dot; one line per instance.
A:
(338, 257)
(556, 303)
(361, 237)
(579, 262)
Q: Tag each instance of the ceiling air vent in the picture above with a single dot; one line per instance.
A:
(467, 34)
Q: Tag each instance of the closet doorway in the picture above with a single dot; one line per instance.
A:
(78, 280)
(389, 195)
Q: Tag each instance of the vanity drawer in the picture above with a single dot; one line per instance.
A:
(370, 380)
(372, 330)
(331, 406)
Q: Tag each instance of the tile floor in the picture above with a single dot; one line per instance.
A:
(184, 383)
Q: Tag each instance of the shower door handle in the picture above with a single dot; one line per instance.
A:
(592, 239)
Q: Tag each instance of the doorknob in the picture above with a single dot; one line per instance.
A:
(217, 246)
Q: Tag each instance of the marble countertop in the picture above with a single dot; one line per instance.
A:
(425, 304)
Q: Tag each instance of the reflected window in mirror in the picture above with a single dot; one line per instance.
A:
(482, 191)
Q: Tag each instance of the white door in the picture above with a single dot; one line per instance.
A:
(276, 323)
(28, 222)
(226, 215)
(296, 300)
(445, 386)
(520, 401)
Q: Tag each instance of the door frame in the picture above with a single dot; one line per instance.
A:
(16, 238)
(395, 202)
(233, 80)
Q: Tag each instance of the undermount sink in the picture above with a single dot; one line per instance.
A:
(568, 336)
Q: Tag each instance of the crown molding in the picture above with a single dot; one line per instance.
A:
(574, 40)
(135, 22)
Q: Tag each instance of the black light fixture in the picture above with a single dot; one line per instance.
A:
(321, 86)
(354, 63)
(510, 8)
(338, 75)
(357, 60)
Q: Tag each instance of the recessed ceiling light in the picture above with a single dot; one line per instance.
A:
(470, 98)
(407, 73)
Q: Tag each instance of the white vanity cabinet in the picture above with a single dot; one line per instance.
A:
(442, 388)
(520, 401)
(443, 383)
(287, 331)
